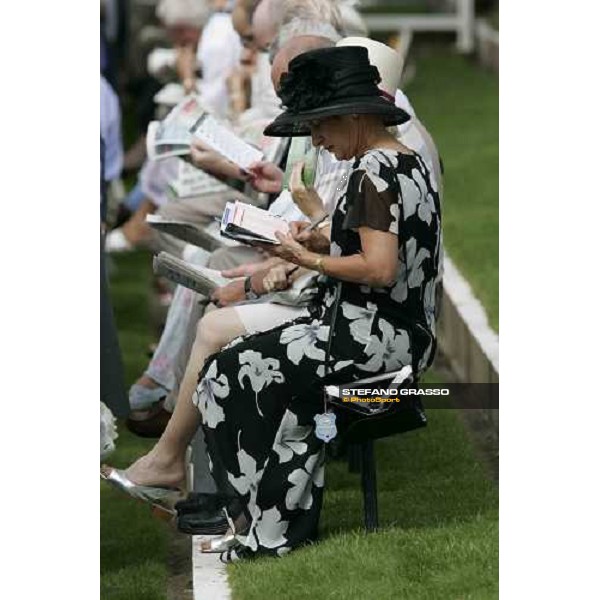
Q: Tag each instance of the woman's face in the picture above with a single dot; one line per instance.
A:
(335, 134)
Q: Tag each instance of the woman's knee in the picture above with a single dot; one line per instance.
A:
(213, 329)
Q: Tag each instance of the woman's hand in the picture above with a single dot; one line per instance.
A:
(277, 278)
(289, 249)
(307, 199)
(313, 240)
(265, 177)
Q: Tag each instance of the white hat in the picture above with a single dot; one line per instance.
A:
(386, 59)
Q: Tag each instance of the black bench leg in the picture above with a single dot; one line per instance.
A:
(353, 458)
(369, 485)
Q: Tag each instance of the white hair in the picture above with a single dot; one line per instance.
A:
(352, 22)
(323, 11)
(321, 18)
(183, 12)
(299, 27)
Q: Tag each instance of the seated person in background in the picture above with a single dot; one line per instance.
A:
(262, 393)
(183, 21)
(218, 54)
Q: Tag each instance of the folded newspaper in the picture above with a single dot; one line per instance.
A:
(191, 181)
(200, 279)
(171, 136)
(246, 223)
(205, 281)
(208, 237)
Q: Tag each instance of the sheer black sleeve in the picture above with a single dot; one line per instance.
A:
(372, 201)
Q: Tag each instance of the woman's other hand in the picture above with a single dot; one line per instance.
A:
(203, 157)
(265, 177)
(307, 199)
(208, 160)
(231, 293)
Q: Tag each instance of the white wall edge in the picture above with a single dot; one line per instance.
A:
(209, 574)
(471, 311)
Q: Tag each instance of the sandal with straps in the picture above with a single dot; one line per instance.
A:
(230, 556)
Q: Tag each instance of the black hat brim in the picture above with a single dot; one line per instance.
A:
(289, 124)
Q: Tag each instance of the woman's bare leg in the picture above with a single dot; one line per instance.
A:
(165, 463)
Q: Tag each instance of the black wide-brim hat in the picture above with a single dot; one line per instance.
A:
(328, 82)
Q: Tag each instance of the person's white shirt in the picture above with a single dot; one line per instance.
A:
(264, 101)
(155, 176)
(110, 130)
(218, 54)
(414, 136)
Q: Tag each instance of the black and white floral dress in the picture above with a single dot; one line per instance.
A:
(258, 397)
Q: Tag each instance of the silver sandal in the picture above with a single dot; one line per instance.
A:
(162, 499)
(219, 544)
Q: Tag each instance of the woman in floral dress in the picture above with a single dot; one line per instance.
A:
(259, 397)
(374, 311)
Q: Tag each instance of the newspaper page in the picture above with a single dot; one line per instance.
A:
(224, 141)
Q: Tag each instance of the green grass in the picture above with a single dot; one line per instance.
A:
(438, 508)
(439, 514)
(458, 103)
(133, 548)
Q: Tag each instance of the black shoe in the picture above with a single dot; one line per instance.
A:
(201, 514)
(149, 423)
(198, 501)
(202, 524)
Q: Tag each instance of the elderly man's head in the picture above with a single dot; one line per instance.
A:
(293, 48)
(272, 19)
(265, 23)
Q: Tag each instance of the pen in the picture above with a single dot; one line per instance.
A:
(317, 222)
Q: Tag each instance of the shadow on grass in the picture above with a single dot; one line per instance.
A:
(425, 478)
